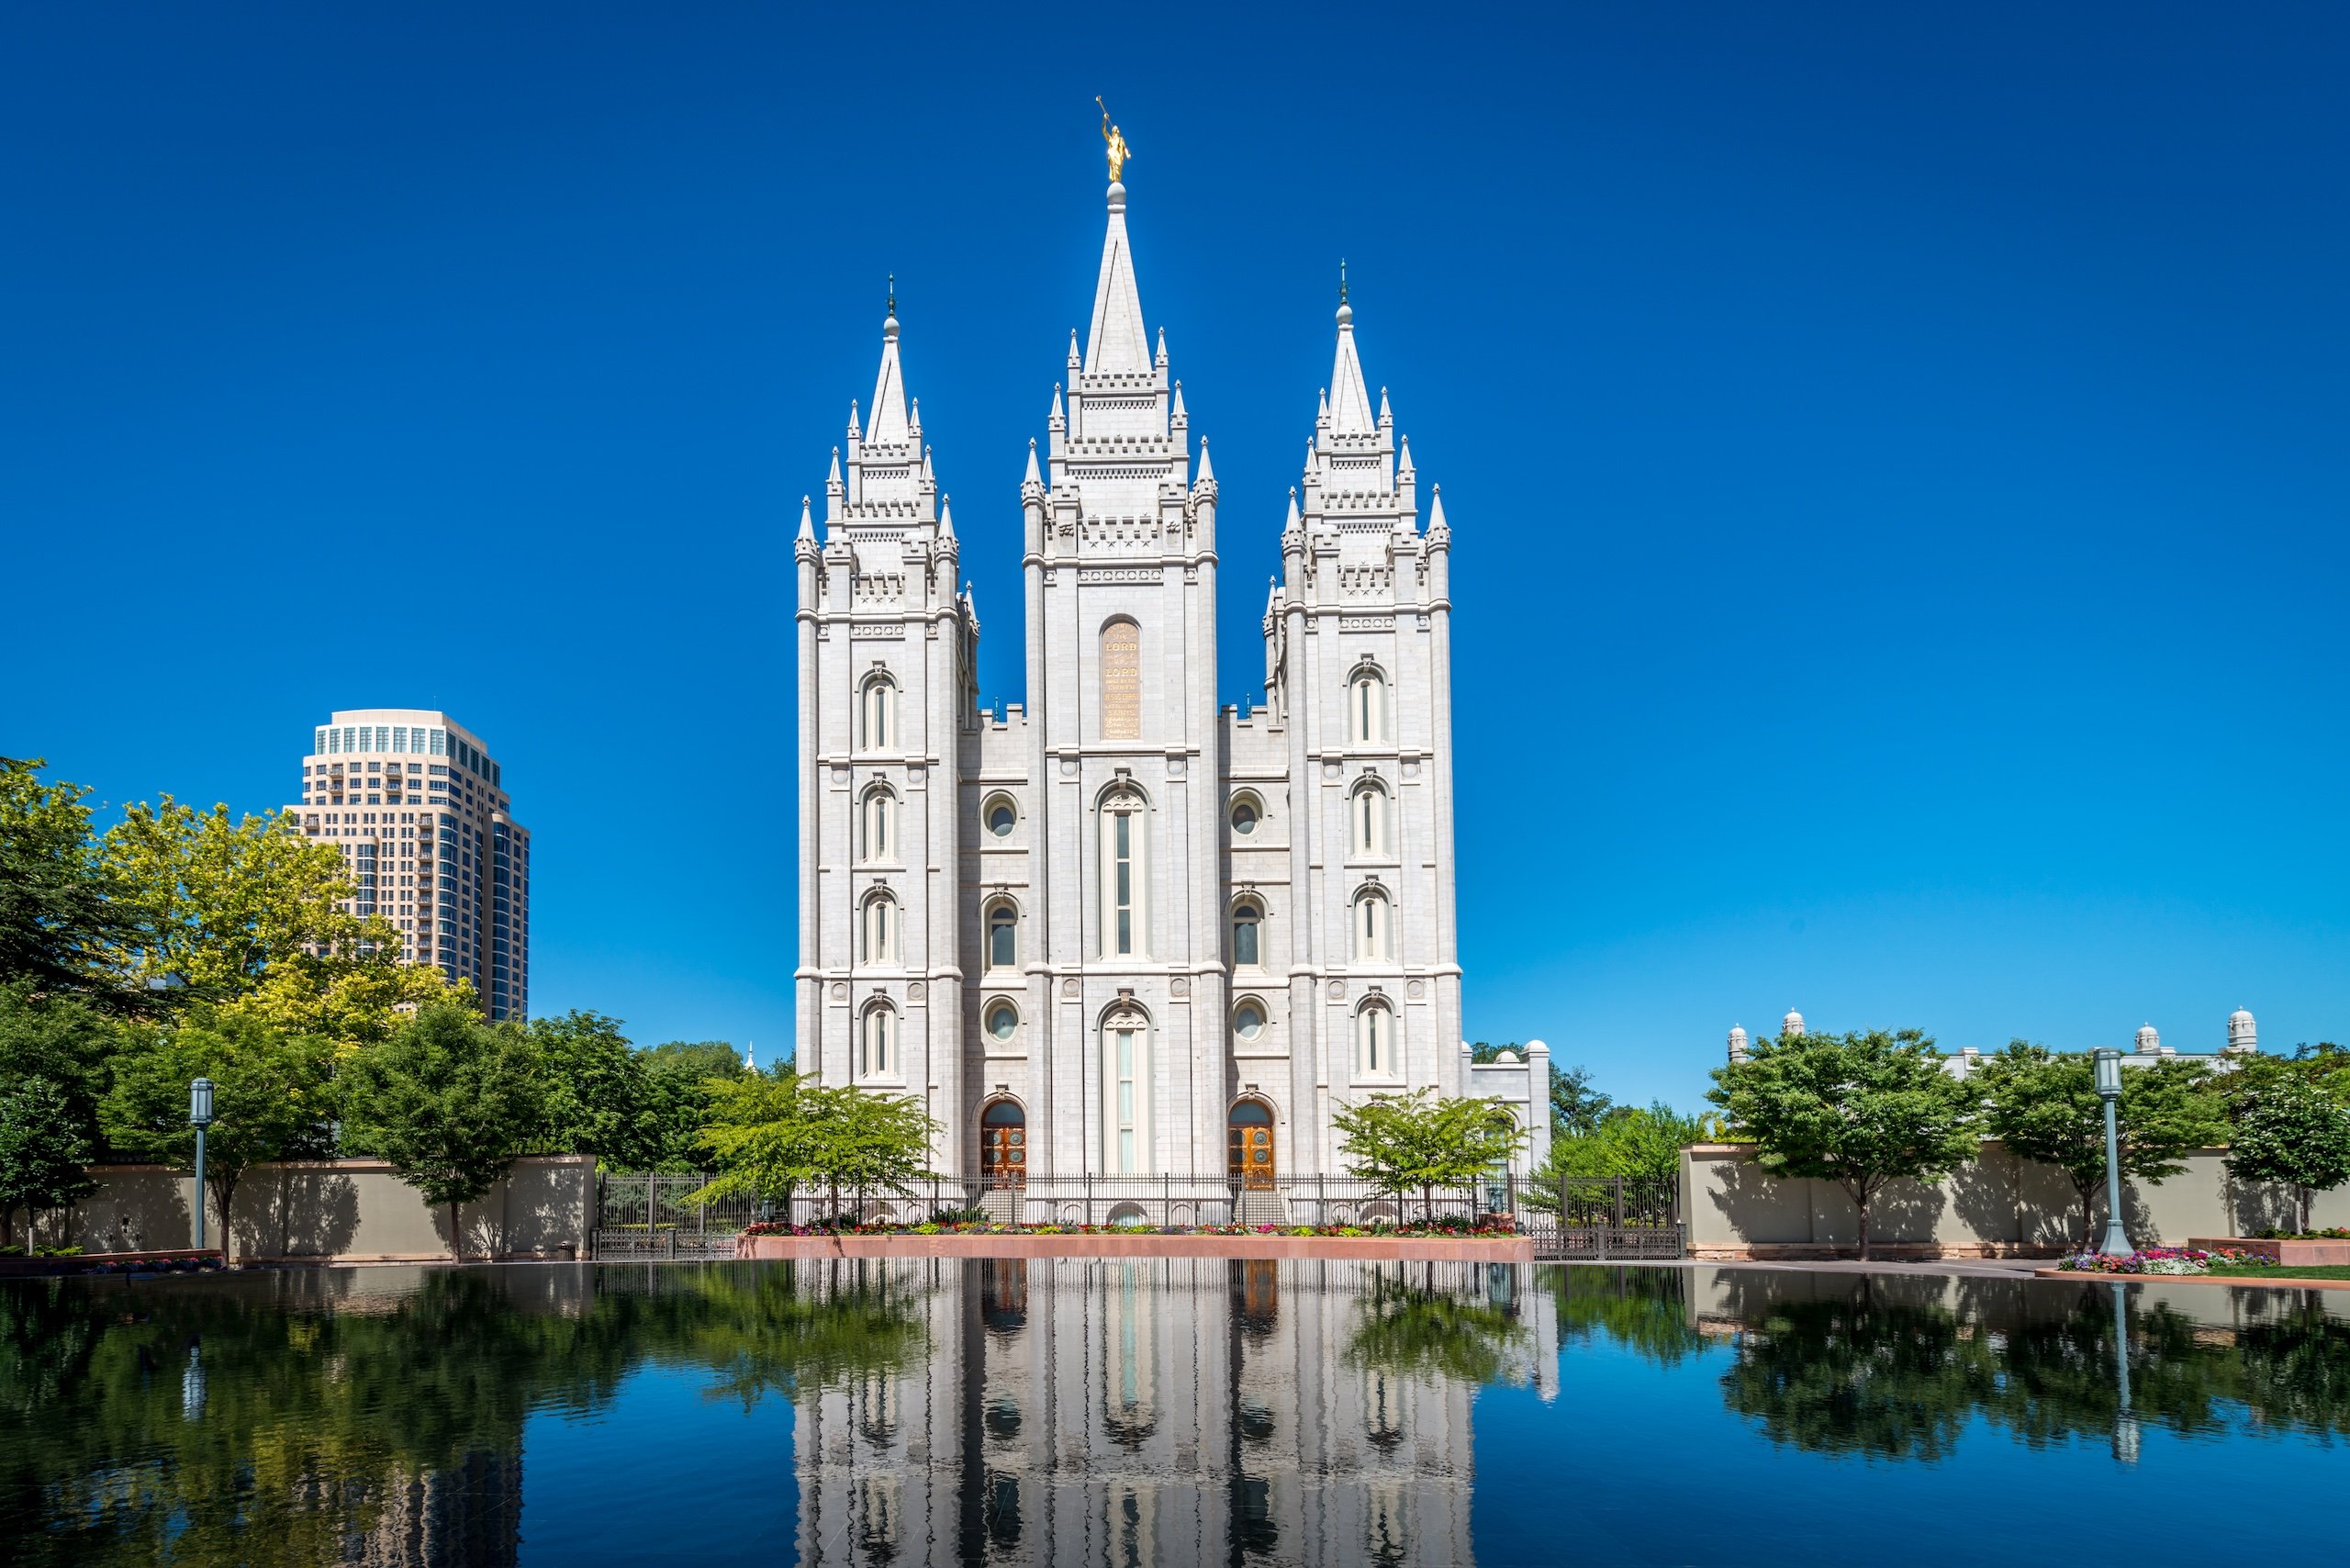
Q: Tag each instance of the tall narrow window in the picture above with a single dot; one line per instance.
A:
(1003, 937)
(1366, 708)
(1375, 1042)
(1121, 673)
(1370, 820)
(1246, 918)
(880, 929)
(1125, 1099)
(1125, 1084)
(875, 824)
(1122, 882)
(879, 1043)
(1371, 927)
(875, 714)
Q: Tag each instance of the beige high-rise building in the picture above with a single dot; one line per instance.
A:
(417, 807)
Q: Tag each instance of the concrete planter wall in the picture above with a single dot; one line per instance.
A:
(1999, 1205)
(344, 1210)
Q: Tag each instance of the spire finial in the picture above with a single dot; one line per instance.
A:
(893, 295)
(1342, 280)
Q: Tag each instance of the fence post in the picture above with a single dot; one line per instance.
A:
(1619, 1202)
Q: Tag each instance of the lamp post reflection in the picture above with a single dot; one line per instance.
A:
(2125, 1424)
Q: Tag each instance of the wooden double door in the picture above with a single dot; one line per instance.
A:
(1004, 1144)
(1248, 1145)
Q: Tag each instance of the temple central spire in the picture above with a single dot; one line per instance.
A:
(1118, 344)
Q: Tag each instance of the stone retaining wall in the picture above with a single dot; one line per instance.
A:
(353, 1211)
(2000, 1206)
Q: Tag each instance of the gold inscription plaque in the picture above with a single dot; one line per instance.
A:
(1122, 681)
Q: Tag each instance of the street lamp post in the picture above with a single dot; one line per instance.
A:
(199, 1116)
(2109, 1088)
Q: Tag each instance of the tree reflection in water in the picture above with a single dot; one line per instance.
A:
(294, 1418)
(1881, 1367)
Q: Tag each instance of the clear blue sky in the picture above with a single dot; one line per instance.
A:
(1896, 459)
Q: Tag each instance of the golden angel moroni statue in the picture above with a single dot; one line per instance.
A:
(1110, 134)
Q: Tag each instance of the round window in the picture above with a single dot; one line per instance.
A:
(1002, 1021)
(1249, 1022)
(1000, 817)
(1244, 818)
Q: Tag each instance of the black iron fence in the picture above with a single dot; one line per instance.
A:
(1581, 1216)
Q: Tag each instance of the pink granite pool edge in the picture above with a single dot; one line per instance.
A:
(1365, 1248)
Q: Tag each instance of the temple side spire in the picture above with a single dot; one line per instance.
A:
(1349, 402)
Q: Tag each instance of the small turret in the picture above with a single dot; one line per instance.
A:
(2242, 1038)
(1737, 1044)
(2150, 1043)
(1792, 1023)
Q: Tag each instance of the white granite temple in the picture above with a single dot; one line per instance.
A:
(1121, 929)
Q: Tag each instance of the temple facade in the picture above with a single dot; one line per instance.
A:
(1120, 928)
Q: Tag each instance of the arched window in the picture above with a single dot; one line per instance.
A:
(1122, 824)
(1247, 815)
(1247, 920)
(1370, 821)
(877, 1055)
(1375, 1053)
(877, 704)
(877, 824)
(1000, 816)
(880, 929)
(1366, 708)
(1004, 937)
(1372, 938)
(1125, 1085)
(1121, 673)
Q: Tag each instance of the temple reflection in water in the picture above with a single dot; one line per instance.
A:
(1165, 1411)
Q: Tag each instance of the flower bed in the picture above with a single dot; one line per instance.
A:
(2162, 1260)
(1494, 1227)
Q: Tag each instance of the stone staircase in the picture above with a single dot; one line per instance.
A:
(1258, 1206)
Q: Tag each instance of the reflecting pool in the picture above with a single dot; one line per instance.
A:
(1164, 1412)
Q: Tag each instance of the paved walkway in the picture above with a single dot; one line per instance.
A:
(1978, 1267)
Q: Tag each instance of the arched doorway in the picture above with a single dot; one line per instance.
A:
(1249, 1144)
(1004, 1144)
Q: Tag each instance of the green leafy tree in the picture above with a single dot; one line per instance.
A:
(1875, 1376)
(272, 1099)
(2289, 1129)
(678, 1074)
(1859, 1110)
(1638, 1141)
(869, 1143)
(62, 1039)
(599, 1095)
(762, 1135)
(43, 1149)
(58, 929)
(2045, 1107)
(449, 1101)
(245, 914)
(1424, 1140)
